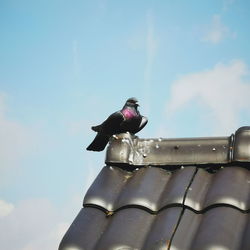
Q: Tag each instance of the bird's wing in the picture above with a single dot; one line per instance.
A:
(99, 143)
(112, 124)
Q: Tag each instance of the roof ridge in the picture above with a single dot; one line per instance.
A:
(128, 150)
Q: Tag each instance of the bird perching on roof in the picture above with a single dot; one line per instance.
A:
(128, 119)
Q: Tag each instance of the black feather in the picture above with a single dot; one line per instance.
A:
(99, 143)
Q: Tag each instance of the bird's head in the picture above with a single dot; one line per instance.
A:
(132, 102)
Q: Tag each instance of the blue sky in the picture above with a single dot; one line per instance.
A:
(66, 65)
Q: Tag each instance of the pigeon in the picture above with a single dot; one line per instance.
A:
(128, 119)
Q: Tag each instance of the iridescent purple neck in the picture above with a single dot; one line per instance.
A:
(128, 113)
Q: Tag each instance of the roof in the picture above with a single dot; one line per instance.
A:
(203, 202)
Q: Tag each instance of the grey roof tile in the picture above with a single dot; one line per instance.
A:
(152, 188)
(106, 188)
(217, 228)
(128, 229)
(229, 186)
(144, 188)
(245, 242)
(85, 230)
(162, 229)
(135, 228)
(174, 193)
(158, 209)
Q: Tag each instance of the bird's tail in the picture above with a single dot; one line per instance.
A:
(99, 143)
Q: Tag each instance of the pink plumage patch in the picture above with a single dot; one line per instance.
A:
(128, 113)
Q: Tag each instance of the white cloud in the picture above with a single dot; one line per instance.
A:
(222, 92)
(217, 31)
(5, 208)
(32, 225)
(16, 140)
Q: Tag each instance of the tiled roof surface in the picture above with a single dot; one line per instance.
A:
(184, 208)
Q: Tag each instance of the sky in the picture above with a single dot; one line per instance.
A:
(67, 65)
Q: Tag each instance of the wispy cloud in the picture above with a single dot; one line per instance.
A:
(222, 92)
(37, 224)
(31, 225)
(151, 48)
(217, 31)
(16, 140)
